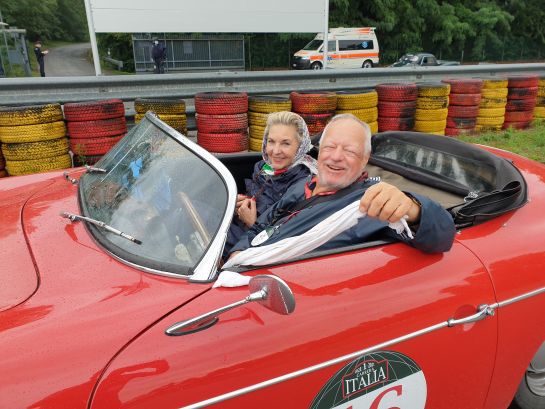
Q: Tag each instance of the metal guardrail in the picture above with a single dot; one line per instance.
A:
(17, 91)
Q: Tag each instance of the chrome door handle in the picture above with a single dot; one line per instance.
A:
(484, 311)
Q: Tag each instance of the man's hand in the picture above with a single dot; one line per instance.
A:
(387, 203)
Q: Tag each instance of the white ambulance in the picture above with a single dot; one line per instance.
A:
(347, 48)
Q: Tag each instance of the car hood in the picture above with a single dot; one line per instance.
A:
(18, 274)
(71, 306)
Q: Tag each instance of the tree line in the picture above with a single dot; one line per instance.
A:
(467, 30)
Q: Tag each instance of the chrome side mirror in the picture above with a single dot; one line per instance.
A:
(269, 291)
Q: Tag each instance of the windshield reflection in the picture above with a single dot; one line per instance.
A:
(160, 192)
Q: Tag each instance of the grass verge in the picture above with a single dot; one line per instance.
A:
(528, 142)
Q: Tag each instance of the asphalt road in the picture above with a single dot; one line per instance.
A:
(69, 60)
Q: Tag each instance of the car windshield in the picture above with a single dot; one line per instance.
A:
(313, 45)
(407, 59)
(158, 191)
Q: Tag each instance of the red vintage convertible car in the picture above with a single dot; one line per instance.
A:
(103, 269)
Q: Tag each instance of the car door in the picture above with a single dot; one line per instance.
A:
(333, 58)
(369, 330)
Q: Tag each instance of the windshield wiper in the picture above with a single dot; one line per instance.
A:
(76, 218)
(92, 169)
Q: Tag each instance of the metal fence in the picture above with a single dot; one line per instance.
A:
(190, 52)
(19, 91)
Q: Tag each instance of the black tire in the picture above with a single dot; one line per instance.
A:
(531, 391)
(316, 66)
(367, 64)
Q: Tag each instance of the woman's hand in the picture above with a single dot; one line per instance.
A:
(240, 200)
(247, 212)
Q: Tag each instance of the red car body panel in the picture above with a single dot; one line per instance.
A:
(92, 335)
(87, 307)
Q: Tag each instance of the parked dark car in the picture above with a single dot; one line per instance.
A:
(421, 59)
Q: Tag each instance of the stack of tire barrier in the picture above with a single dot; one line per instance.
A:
(521, 101)
(539, 110)
(432, 107)
(396, 106)
(170, 111)
(3, 172)
(362, 104)
(94, 128)
(463, 107)
(33, 139)
(316, 108)
(259, 107)
(492, 107)
(222, 121)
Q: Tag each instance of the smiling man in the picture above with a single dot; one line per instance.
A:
(345, 148)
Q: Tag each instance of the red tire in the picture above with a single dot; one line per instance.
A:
(461, 123)
(316, 122)
(521, 105)
(403, 109)
(522, 93)
(460, 111)
(519, 116)
(523, 81)
(221, 103)
(93, 146)
(99, 128)
(397, 91)
(395, 124)
(93, 110)
(516, 125)
(234, 123)
(313, 102)
(223, 142)
(464, 85)
(3, 173)
(457, 131)
(465, 99)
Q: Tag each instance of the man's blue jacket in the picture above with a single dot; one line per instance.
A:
(434, 234)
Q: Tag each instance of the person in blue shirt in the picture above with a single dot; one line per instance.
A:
(286, 142)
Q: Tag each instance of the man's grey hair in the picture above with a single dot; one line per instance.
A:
(364, 125)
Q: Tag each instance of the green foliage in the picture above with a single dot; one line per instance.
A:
(120, 47)
(47, 19)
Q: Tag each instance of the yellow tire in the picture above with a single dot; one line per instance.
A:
(539, 112)
(257, 118)
(26, 167)
(493, 103)
(374, 127)
(431, 114)
(494, 92)
(35, 150)
(433, 90)
(541, 82)
(178, 122)
(432, 102)
(30, 115)
(490, 121)
(488, 128)
(366, 114)
(32, 133)
(437, 133)
(352, 101)
(256, 131)
(160, 106)
(267, 104)
(492, 83)
(256, 144)
(491, 112)
(430, 126)
(541, 92)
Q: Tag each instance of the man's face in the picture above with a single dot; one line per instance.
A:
(341, 159)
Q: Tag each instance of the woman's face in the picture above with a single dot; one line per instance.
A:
(282, 145)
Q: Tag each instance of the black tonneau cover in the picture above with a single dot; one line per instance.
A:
(491, 185)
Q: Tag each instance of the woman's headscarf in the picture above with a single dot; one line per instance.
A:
(301, 157)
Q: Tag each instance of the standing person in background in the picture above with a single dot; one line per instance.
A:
(40, 56)
(159, 55)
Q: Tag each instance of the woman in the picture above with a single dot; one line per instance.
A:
(286, 142)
